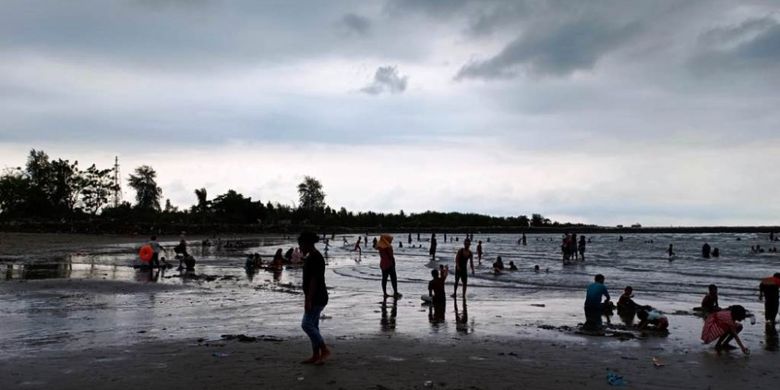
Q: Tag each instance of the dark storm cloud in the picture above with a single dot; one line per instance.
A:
(356, 24)
(751, 45)
(386, 79)
(557, 52)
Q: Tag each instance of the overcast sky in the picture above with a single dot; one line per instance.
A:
(606, 112)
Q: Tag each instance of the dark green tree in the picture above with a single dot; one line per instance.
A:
(98, 186)
(311, 195)
(147, 193)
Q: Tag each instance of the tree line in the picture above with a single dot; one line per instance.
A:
(46, 189)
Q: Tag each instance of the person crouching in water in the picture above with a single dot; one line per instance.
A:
(594, 308)
(316, 294)
(387, 264)
(724, 326)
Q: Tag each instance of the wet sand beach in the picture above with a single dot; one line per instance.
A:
(77, 315)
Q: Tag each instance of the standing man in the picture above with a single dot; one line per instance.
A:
(594, 308)
(768, 290)
(463, 258)
(479, 252)
(316, 294)
(387, 264)
(157, 248)
(434, 244)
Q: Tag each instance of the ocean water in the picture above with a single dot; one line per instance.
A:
(522, 303)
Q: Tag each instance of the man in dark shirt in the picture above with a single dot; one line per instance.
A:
(316, 294)
(768, 290)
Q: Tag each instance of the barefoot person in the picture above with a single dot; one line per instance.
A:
(316, 296)
(462, 259)
(387, 264)
(724, 326)
(594, 308)
(768, 291)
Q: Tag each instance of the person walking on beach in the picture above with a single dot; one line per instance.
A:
(594, 308)
(768, 291)
(357, 246)
(387, 264)
(479, 252)
(434, 244)
(724, 326)
(463, 258)
(316, 296)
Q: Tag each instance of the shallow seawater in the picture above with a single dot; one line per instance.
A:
(42, 311)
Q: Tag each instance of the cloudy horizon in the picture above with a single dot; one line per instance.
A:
(605, 112)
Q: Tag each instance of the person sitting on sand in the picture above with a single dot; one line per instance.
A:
(512, 266)
(594, 308)
(709, 304)
(626, 307)
(650, 318)
(724, 326)
(498, 265)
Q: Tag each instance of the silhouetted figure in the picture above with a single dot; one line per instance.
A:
(434, 244)
(524, 240)
(410, 238)
(705, 251)
(670, 251)
(594, 307)
(498, 265)
(581, 248)
(620, 239)
(716, 253)
(709, 304)
(768, 291)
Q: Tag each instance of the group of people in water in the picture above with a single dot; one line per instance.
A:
(721, 324)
